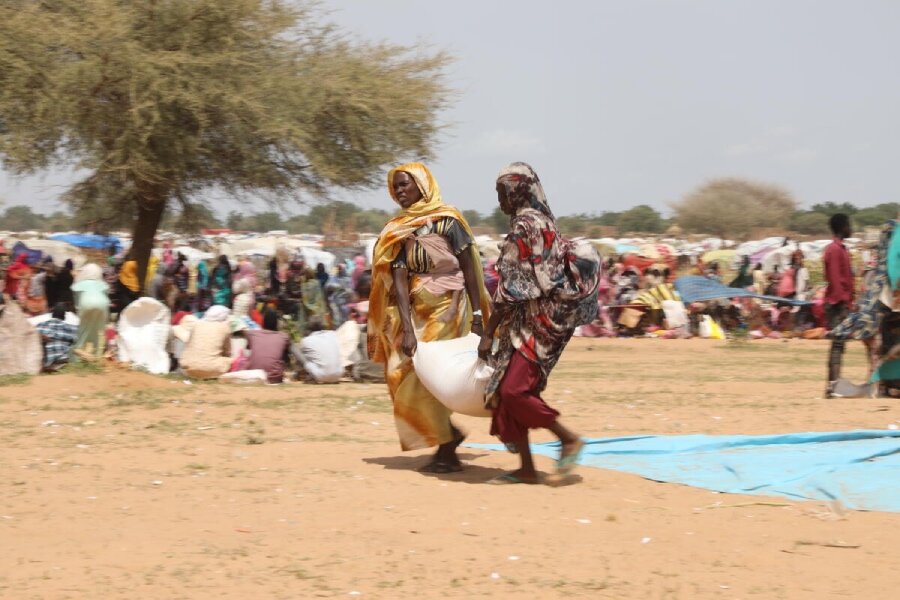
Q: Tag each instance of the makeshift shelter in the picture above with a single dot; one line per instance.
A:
(32, 256)
(21, 351)
(654, 297)
(268, 246)
(89, 240)
(642, 263)
(656, 251)
(59, 251)
(726, 258)
(693, 288)
(192, 254)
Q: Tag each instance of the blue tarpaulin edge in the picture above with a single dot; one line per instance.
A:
(83, 240)
(859, 469)
(694, 288)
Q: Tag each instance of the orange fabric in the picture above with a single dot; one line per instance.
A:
(392, 237)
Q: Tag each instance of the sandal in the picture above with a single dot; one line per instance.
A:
(567, 463)
(508, 479)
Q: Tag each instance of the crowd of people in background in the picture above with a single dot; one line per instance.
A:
(288, 295)
(281, 316)
(785, 302)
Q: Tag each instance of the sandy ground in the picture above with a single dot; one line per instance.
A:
(125, 485)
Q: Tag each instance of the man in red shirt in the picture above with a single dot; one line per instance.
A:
(840, 294)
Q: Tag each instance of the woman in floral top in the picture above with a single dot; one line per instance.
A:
(547, 287)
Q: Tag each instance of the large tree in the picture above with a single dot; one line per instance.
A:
(161, 101)
(732, 207)
(641, 219)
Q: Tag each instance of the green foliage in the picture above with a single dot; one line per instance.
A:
(20, 218)
(499, 221)
(607, 218)
(641, 219)
(473, 217)
(578, 224)
(815, 221)
(160, 101)
(234, 220)
(268, 221)
(832, 208)
(339, 215)
(18, 379)
(190, 219)
(876, 215)
(733, 207)
(810, 223)
(83, 368)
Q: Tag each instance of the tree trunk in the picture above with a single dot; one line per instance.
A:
(150, 209)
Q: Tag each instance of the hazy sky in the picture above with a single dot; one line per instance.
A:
(638, 101)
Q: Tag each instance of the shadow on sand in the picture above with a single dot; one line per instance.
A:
(471, 473)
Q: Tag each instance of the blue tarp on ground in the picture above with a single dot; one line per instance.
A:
(89, 240)
(859, 469)
(694, 288)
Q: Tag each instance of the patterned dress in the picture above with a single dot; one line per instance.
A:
(427, 239)
(548, 284)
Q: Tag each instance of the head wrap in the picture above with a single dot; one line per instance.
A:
(91, 271)
(431, 192)
(217, 313)
(430, 207)
(240, 286)
(246, 268)
(524, 189)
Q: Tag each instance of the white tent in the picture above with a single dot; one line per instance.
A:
(60, 251)
(193, 255)
(310, 251)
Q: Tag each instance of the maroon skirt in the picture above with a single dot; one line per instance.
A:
(520, 407)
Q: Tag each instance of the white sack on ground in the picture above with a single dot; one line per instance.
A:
(676, 315)
(21, 351)
(250, 376)
(348, 340)
(453, 373)
(144, 328)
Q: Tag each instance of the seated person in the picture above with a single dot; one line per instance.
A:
(58, 338)
(183, 306)
(207, 353)
(268, 348)
(319, 354)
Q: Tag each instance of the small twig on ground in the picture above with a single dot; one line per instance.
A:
(841, 545)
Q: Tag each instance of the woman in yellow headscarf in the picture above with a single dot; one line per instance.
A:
(426, 279)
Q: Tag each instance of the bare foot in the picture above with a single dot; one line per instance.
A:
(561, 480)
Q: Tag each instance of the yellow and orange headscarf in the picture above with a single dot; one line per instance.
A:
(397, 230)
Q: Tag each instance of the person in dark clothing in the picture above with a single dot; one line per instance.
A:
(181, 274)
(274, 282)
(322, 275)
(839, 295)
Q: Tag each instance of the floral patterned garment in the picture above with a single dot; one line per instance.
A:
(549, 282)
(865, 323)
